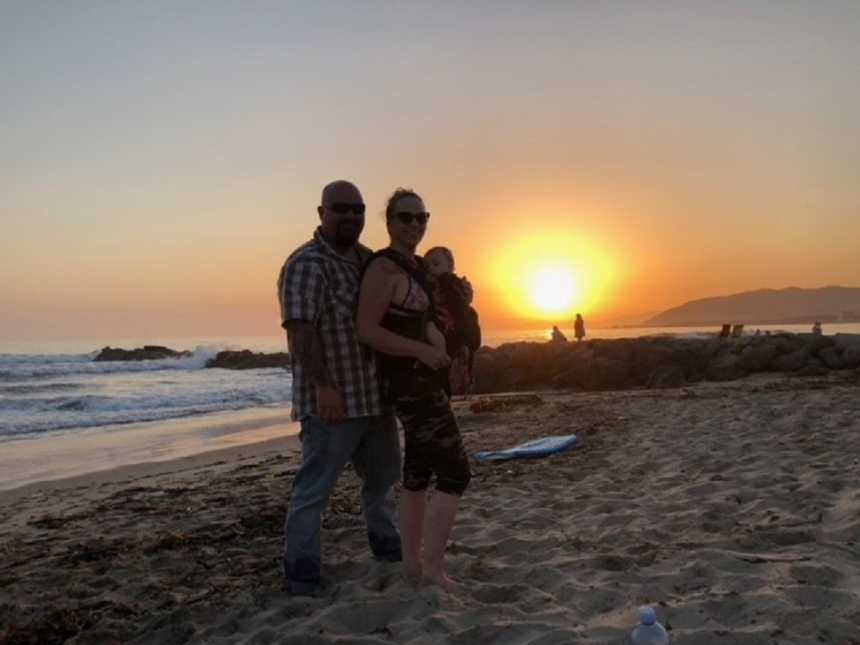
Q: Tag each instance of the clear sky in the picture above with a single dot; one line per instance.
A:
(159, 160)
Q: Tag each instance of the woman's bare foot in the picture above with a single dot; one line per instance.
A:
(441, 579)
(412, 575)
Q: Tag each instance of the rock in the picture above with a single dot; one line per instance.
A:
(851, 356)
(849, 347)
(830, 357)
(145, 353)
(707, 349)
(248, 360)
(691, 356)
(813, 369)
(485, 372)
(520, 366)
(815, 342)
(655, 361)
(725, 368)
(620, 350)
(596, 374)
(843, 341)
(667, 376)
(757, 357)
(792, 361)
(785, 343)
(649, 354)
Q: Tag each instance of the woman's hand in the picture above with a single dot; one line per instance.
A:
(433, 357)
(435, 336)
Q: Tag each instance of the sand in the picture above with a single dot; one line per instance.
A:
(733, 508)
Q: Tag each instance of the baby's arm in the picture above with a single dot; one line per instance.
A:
(435, 336)
(466, 291)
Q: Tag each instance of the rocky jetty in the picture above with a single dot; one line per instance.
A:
(145, 353)
(248, 360)
(659, 362)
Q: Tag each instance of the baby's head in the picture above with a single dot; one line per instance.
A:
(439, 260)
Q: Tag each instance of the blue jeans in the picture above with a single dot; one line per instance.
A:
(373, 446)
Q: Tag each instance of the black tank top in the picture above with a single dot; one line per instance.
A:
(404, 321)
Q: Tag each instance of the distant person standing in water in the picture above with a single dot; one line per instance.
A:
(579, 327)
(557, 335)
(335, 396)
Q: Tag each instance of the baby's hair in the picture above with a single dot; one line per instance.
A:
(443, 250)
(396, 196)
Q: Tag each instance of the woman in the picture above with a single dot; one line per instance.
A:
(394, 318)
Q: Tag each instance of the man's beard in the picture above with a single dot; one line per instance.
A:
(347, 233)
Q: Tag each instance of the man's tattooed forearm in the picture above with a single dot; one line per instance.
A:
(305, 346)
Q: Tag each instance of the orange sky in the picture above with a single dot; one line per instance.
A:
(156, 170)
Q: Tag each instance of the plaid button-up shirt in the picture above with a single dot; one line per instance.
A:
(318, 286)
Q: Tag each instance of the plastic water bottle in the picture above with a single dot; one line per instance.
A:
(649, 631)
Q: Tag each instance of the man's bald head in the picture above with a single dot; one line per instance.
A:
(341, 212)
(340, 190)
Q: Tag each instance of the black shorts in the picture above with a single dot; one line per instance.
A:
(433, 444)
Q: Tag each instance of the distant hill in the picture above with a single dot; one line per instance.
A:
(767, 306)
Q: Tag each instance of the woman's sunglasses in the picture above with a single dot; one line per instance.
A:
(342, 208)
(406, 218)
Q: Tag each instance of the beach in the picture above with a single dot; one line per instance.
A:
(733, 508)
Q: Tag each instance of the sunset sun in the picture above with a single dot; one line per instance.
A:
(550, 277)
(551, 290)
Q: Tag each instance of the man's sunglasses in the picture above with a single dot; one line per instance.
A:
(406, 218)
(342, 208)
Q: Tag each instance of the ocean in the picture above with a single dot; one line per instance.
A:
(62, 413)
(42, 394)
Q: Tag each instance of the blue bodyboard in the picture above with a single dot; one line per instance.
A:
(530, 449)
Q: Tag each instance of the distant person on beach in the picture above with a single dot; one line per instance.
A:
(816, 328)
(395, 311)
(557, 335)
(335, 392)
(453, 315)
(579, 327)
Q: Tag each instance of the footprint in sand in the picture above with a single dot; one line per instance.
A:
(819, 575)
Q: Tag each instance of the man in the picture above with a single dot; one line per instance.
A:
(335, 391)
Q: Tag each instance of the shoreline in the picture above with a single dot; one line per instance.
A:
(42, 460)
(133, 472)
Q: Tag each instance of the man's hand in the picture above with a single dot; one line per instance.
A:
(330, 404)
(305, 345)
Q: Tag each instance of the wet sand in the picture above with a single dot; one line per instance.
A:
(733, 508)
(62, 455)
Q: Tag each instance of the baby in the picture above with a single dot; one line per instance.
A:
(455, 326)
